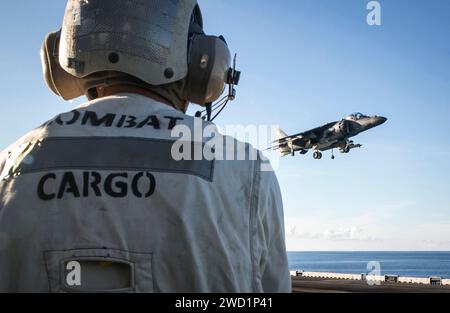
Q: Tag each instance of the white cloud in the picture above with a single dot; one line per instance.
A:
(346, 233)
(372, 230)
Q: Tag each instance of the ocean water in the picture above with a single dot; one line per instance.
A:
(412, 264)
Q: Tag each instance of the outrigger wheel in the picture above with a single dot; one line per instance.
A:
(317, 155)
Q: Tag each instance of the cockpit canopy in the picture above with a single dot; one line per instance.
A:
(356, 116)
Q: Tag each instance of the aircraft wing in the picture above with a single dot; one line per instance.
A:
(315, 133)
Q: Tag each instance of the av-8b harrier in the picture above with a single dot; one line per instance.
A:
(333, 135)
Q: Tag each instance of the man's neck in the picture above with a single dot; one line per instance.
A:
(114, 90)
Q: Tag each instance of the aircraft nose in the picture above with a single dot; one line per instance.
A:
(380, 120)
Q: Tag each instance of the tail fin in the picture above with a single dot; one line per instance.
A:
(284, 146)
(281, 134)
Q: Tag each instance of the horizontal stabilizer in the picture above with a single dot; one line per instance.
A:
(353, 146)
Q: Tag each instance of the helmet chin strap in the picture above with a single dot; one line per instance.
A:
(209, 111)
(220, 105)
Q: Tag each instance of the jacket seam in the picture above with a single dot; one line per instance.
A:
(253, 211)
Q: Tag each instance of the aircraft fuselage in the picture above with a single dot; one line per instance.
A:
(330, 136)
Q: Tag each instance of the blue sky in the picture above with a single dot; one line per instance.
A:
(305, 63)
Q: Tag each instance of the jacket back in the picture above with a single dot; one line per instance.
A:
(104, 198)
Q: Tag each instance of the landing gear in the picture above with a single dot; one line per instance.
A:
(317, 155)
(332, 155)
(349, 144)
(292, 149)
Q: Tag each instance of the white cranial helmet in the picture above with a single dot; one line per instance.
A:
(144, 38)
(157, 42)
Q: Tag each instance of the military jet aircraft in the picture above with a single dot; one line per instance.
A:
(334, 135)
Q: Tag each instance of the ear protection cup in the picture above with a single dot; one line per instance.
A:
(57, 79)
(209, 64)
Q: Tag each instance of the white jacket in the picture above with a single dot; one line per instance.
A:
(93, 201)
